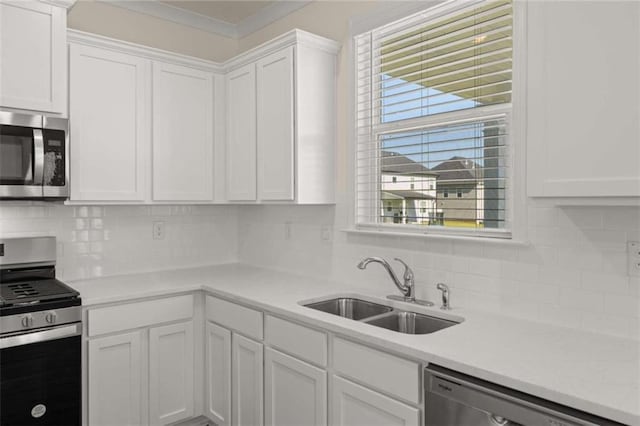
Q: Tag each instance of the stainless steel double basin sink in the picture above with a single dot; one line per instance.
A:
(382, 315)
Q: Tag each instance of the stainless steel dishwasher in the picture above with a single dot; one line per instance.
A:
(454, 399)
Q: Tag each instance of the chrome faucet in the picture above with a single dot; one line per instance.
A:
(407, 288)
(445, 296)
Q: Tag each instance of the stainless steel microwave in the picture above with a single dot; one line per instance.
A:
(33, 156)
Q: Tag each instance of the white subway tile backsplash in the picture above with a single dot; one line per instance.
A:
(572, 273)
(609, 283)
(105, 240)
(580, 218)
(586, 300)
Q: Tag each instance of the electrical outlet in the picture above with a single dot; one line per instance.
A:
(158, 230)
(633, 258)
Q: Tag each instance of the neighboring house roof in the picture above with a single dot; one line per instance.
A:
(457, 169)
(394, 163)
(391, 194)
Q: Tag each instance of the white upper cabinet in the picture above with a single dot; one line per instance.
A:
(182, 133)
(286, 90)
(154, 127)
(275, 114)
(583, 99)
(110, 136)
(33, 59)
(241, 134)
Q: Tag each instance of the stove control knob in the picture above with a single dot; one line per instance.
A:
(51, 317)
(27, 321)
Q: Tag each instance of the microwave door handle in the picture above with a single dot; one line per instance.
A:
(38, 157)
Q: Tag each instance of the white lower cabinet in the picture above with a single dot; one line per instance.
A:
(247, 380)
(218, 373)
(171, 369)
(295, 392)
(141, 362)
(263, 369)
(355, 405)
(234, 364)
(115, 380)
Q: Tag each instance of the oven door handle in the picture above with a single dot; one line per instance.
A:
(38, 157)
(41, 336)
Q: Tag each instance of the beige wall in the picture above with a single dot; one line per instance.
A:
(122, 24)
(326, 18)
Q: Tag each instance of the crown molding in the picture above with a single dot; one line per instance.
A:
(250, 24)
(89, 39)
(290, 38)
(67, 4)
(176, 15)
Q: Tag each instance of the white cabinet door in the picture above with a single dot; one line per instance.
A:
(218, 374)
(275, 117)
(115, 381)
(355, 405)
(171, 370)
(583, 99)
(241, 134)
(295, 392)
(182, 133)
(247, 368)
(110, 127)
(33, 58)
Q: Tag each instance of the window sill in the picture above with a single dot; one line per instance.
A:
(442, 237)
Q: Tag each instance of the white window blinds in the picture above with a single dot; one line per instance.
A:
(433, 98)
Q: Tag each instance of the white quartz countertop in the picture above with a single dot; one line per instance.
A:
(591, 372)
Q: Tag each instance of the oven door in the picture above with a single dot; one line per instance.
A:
(40, 377)
(21, 155)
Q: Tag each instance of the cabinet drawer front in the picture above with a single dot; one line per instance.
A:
(243, 320)
(287, 379)
(142, 314)
(355, 404)
(305, 343)
(386, 372)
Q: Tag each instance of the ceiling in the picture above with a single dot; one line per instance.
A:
(229, 11)
(229, 18)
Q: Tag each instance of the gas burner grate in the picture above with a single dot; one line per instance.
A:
(23, 290)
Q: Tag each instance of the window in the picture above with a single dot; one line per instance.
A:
(433, 97)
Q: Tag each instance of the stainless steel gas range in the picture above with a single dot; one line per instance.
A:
(40, 337)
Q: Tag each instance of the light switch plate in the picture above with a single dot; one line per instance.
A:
(633, 258)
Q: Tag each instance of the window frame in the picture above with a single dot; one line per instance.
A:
(515, 199)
